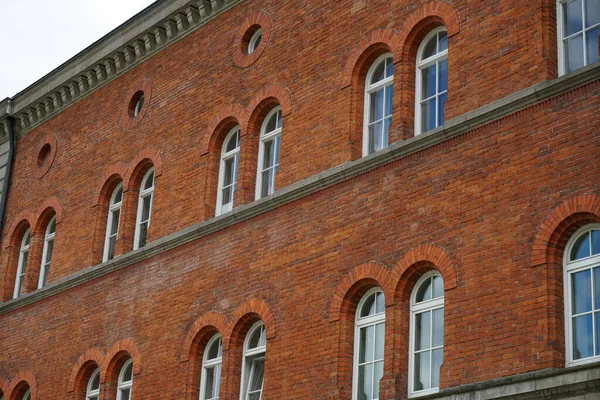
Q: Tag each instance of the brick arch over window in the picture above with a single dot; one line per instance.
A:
(262, 102)
(111, 176)
(147, 157)
(85, 365)
(359, 279)
(23, 221)
(18, 384)
(17, 227)
(194, 342)
(49, 208)
(116, 355)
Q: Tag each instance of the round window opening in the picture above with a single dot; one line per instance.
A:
(43, 155)
(255, 39)
(136, 104)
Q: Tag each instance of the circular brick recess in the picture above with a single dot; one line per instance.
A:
(44, 155)
(258, 20)
(138, 100)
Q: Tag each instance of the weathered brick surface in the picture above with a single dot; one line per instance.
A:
(482, 208)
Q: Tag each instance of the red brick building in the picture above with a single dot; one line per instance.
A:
(308, 200)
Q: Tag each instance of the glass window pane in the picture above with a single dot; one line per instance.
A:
(378, 375)
(386, 132)
(421, 380)
(254, 341)
(143, 234)
(277, 146)
(428, 115)
(423, 330)
(574, 51)
(378, 136)
(266, 184)
(389, 67)
(125, 393)
(438, 327)
(254, 396)
(389, 99)
(592, 45)
(51, 226)
(437, 359)
(430, 48)
(424, 292)
(367, 337)
(127, 373)
(379, 72)
(380, 303)
(595, 242)
(438, 287)
(215, 350)
(279, 119)
(111, 247)
(228, 174)
(443, 45)
(26, 239)
(376, 110)
(428, 81)
(271, 123)
(114, 227)
(592, 13)
(441, 105)
(365, 382)
(227, 195)
(49, 248)
(267, 155)
(256, 380)
(379, 341)
(581, 248)
(597, 322)
(368, 307)
(582, 337)
(443, 76)
(210, 381)
(581, 291)
(597, 288)
(573, 15)
(149, 181)
(371, 143)
(118, 196)
(146, 208)
(96, 382)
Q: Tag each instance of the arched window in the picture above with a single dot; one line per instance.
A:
(253, 366)
(268, 153)
(426, 334)
(47, 252)
(27, 395)
(432, 81)
(22, 263)
(578, 29)
(125, 381)
(228, 171)
(211, 369)
(582, 296)
(112, 223)
(379, 91)
(144, 210)
(369, 335)
(254, 41)
(92, 391)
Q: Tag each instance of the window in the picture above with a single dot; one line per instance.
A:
(254, 41)
(268, 153)
(582, 296)
(125, 381)
(211, 369)
(426, 335)
(27, 395)
(112, 224)
(228, 170)
(578, 29)
(379, 92)
(369, 334)
(93, 388)
(47, 252)
(144, 210)
(253, 366)
(22, 263)
(432, 81)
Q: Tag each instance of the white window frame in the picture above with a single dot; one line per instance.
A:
(47, 253)
(360, 323)
(213, 363)
(27, 395)
(249, 357)
(369, 89)
(22, 262)
(144, 193)
(274, 135)
(560, 36)
(425, 306)
(421, 64)
(255, 41)
(112, 207)
(122, 384)
(570, 267)
(92, 394)
(226, 156)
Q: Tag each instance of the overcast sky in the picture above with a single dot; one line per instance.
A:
(39, 35)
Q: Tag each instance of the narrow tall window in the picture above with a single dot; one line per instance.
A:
(228, 171)
(426, 335)
(125, 381)
(92, 391)
(112, 223)
(144, 209)
(582, 296)
(47, 252)
(379, 91)
(253, 367)
(578, 30)
(22, 263)
(432, 81)
(211, 369)
(268, 153)
(369, 334)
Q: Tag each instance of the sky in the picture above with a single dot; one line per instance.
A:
(40, 35)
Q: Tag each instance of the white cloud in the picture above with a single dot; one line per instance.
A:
(40, 35)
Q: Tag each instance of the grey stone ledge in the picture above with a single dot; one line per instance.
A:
(450, 129)
(573, 383)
